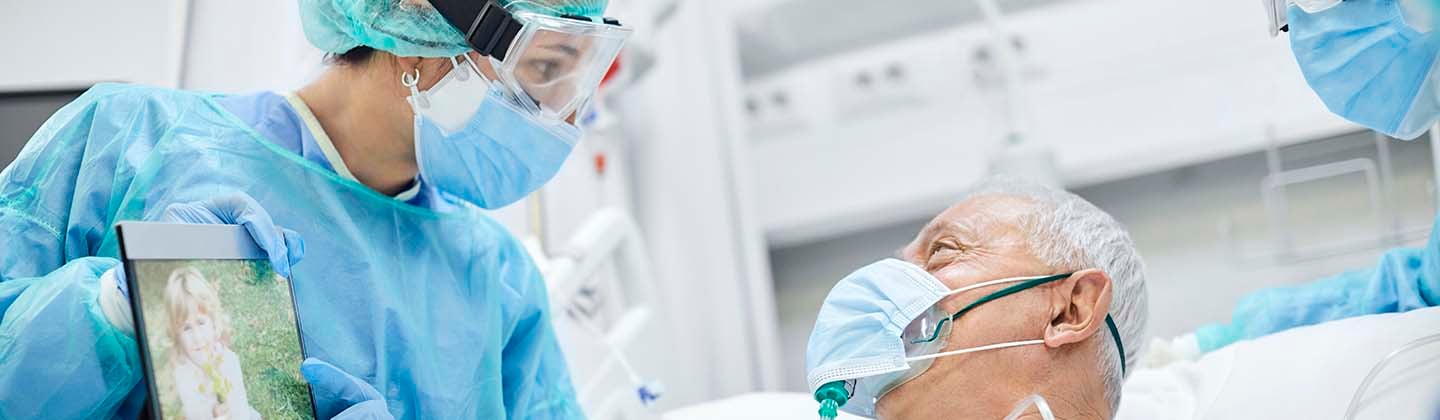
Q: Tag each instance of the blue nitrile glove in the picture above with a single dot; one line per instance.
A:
(283, 246)
(340, 396)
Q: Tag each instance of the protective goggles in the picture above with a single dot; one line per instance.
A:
(928, 334)
(552, 64)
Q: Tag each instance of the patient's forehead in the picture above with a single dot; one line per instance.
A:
(991, 221)
(985, 215)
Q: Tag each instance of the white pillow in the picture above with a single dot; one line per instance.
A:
(1304, 373)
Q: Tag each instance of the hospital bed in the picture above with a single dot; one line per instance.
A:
(605, 311)
(1287, 375)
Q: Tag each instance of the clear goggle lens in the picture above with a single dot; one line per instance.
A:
(556, 64)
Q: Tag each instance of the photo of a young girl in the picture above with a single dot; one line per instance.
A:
(221, 340)
(207, 373)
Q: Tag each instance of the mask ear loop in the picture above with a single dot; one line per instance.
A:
(460, 73)
(416, 98)
(476, 68)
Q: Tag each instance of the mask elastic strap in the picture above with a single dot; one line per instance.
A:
(1028, 282)
(1032, 282)
(455, 67)
(975, 349)
(475, 68)
(995, 282)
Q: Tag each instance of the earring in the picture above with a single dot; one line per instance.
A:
(412, 82)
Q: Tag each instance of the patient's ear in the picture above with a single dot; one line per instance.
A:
(1079, 308)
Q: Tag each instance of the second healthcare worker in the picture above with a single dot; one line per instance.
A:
(1372, 62)
(414, 303)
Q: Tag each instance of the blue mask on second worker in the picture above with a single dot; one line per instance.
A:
(1369, 65)
(472, 141)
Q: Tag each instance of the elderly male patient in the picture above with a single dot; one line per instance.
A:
(1020, 299)
(1004, 305)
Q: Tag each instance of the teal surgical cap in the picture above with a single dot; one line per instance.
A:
(408, 28)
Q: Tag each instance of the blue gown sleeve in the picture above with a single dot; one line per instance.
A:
(59, 356)
(534, 375)
(1405, 279)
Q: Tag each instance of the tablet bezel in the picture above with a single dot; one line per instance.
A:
(140, 241)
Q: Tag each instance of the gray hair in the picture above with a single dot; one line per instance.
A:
(1070, 234)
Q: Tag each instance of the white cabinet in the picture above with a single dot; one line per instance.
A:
(70, 44)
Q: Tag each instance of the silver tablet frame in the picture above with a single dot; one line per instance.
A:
(172, 241)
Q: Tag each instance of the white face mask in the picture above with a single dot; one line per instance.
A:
(453, 100)
(1315, 6)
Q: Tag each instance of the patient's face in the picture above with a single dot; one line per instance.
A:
(975, 241)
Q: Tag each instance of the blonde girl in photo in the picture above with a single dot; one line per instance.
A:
(207, 372)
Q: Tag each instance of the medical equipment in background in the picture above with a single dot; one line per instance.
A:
(1415, 365)
(599, 272)
(1379, 181)
(630, 68)
(1002, 68)
(638, 58)
(600, 281)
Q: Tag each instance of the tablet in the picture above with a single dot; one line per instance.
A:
(218, 332)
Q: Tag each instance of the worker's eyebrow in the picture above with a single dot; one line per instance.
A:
(565, 49)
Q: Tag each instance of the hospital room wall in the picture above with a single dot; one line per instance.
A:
(1195, 274)
(689, 180)
(228, 46)
(75, 44)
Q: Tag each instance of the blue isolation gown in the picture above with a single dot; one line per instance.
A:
(1405, 279)
(420, 295)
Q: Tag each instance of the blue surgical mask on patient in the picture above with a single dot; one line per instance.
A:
(858, 329)
(474, 142)
(1369, 64)
(881, 326)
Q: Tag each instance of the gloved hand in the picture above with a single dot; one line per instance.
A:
(283, 246)
(340, 396)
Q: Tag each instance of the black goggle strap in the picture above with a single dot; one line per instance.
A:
(1017, 288)
(488, 27)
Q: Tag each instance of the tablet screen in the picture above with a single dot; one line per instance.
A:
(221, 339)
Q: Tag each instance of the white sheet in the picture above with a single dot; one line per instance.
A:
(1305, 373)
